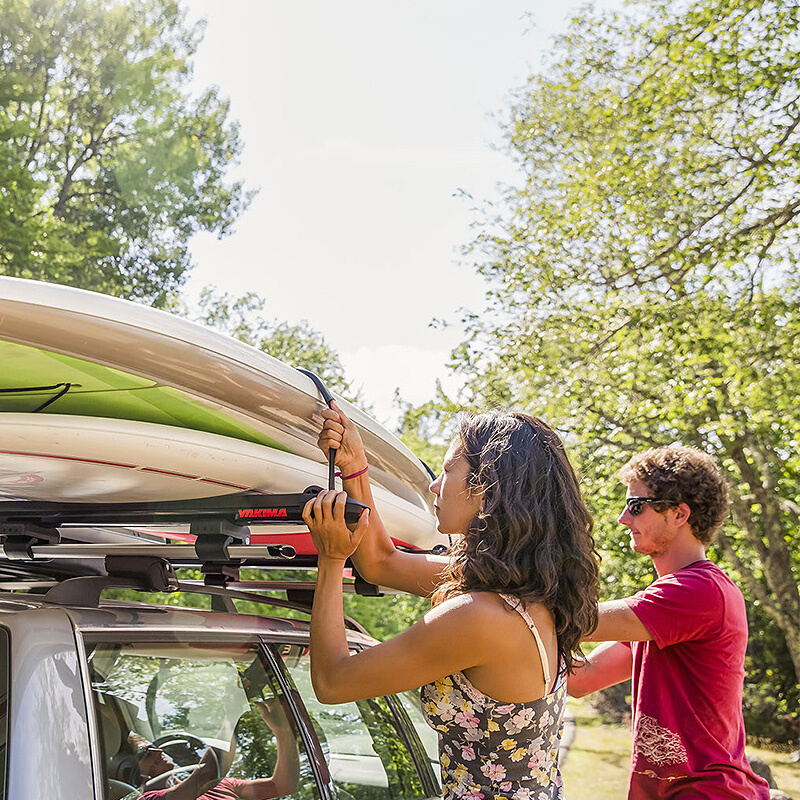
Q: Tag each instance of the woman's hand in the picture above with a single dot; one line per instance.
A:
(324, 516)
(340, 434)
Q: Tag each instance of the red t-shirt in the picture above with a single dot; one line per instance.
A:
(688, 730)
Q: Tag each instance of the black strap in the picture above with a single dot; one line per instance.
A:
(64, 387)
(328, 398)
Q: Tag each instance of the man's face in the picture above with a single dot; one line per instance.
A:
(651, 531)
(154, 761)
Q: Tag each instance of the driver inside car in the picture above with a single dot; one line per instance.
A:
(207, 782)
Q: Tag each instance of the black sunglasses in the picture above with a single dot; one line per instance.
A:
(636, 504)
(143, 751)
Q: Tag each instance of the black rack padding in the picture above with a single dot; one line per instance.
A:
(245, 508)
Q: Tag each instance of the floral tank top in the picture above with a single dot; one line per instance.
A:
(491, 750)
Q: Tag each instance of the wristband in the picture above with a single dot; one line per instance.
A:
(354, 475)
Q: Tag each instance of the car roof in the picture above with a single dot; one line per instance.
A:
(116, 615)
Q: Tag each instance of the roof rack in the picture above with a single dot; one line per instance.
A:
(29, 529)
(242, 508)
(153, 574)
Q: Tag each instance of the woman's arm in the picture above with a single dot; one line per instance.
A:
(456, 635)
(377, 559)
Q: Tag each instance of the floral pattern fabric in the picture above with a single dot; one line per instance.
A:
(490, 750)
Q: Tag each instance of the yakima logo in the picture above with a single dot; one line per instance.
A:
(271, 513)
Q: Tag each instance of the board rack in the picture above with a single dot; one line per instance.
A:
(220, 526)
(86, 547)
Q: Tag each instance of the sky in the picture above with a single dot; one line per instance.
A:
(370, 129)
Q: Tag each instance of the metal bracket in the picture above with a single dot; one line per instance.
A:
(220, 573)
(145, 573)
(213, 538)
(19, 537)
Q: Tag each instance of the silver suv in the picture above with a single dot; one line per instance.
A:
(107, 698)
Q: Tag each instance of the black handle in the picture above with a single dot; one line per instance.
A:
(328, 398)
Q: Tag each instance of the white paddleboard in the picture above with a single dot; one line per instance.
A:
(122, 360)
(86, 459)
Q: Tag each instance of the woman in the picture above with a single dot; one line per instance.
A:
(511, 600)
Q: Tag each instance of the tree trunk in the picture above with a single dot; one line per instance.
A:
(767, 532)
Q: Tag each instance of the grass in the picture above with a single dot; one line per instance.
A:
(598, 764)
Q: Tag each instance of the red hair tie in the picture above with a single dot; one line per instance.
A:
(354, 475)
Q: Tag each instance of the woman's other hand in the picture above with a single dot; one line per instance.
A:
(340, 434)
(331, 535)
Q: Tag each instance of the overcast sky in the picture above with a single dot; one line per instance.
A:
(365, 122)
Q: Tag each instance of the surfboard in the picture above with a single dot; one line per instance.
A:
(67, 352)
(89, 459)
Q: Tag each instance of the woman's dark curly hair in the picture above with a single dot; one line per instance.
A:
(533, 536)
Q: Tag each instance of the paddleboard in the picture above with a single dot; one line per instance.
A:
(91, 459)
(66, 351)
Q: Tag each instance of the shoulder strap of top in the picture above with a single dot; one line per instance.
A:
(520, 609)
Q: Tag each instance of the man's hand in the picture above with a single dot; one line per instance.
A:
(273, 714)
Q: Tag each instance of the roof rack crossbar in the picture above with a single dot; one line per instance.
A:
(178, 553)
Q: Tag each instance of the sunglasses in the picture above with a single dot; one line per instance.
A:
(146, 750)
(636, 504)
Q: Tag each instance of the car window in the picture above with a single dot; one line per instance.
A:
(198, 715)
(430, 740)
(368, 755)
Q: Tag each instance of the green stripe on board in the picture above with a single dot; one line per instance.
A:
(100, 391)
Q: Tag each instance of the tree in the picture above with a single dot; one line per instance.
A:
(107, 165)
(642, 277)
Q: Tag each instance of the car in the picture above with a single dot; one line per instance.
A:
(99, 666)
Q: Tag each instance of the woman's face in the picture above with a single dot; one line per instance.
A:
(456, 503)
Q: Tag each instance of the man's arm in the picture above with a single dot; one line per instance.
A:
(617, 623)
(199, 782)
(610, 663)
(286, 776)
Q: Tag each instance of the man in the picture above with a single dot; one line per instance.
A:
(682, 640)
(205, 783)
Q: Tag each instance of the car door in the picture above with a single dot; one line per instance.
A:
(372, 748)
(182, 707)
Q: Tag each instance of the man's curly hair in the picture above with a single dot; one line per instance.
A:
(680, 474)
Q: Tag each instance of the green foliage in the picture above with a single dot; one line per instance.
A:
(425, 429)
(771, 695)
(385, 617)
(107, 165)
(642, 276)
